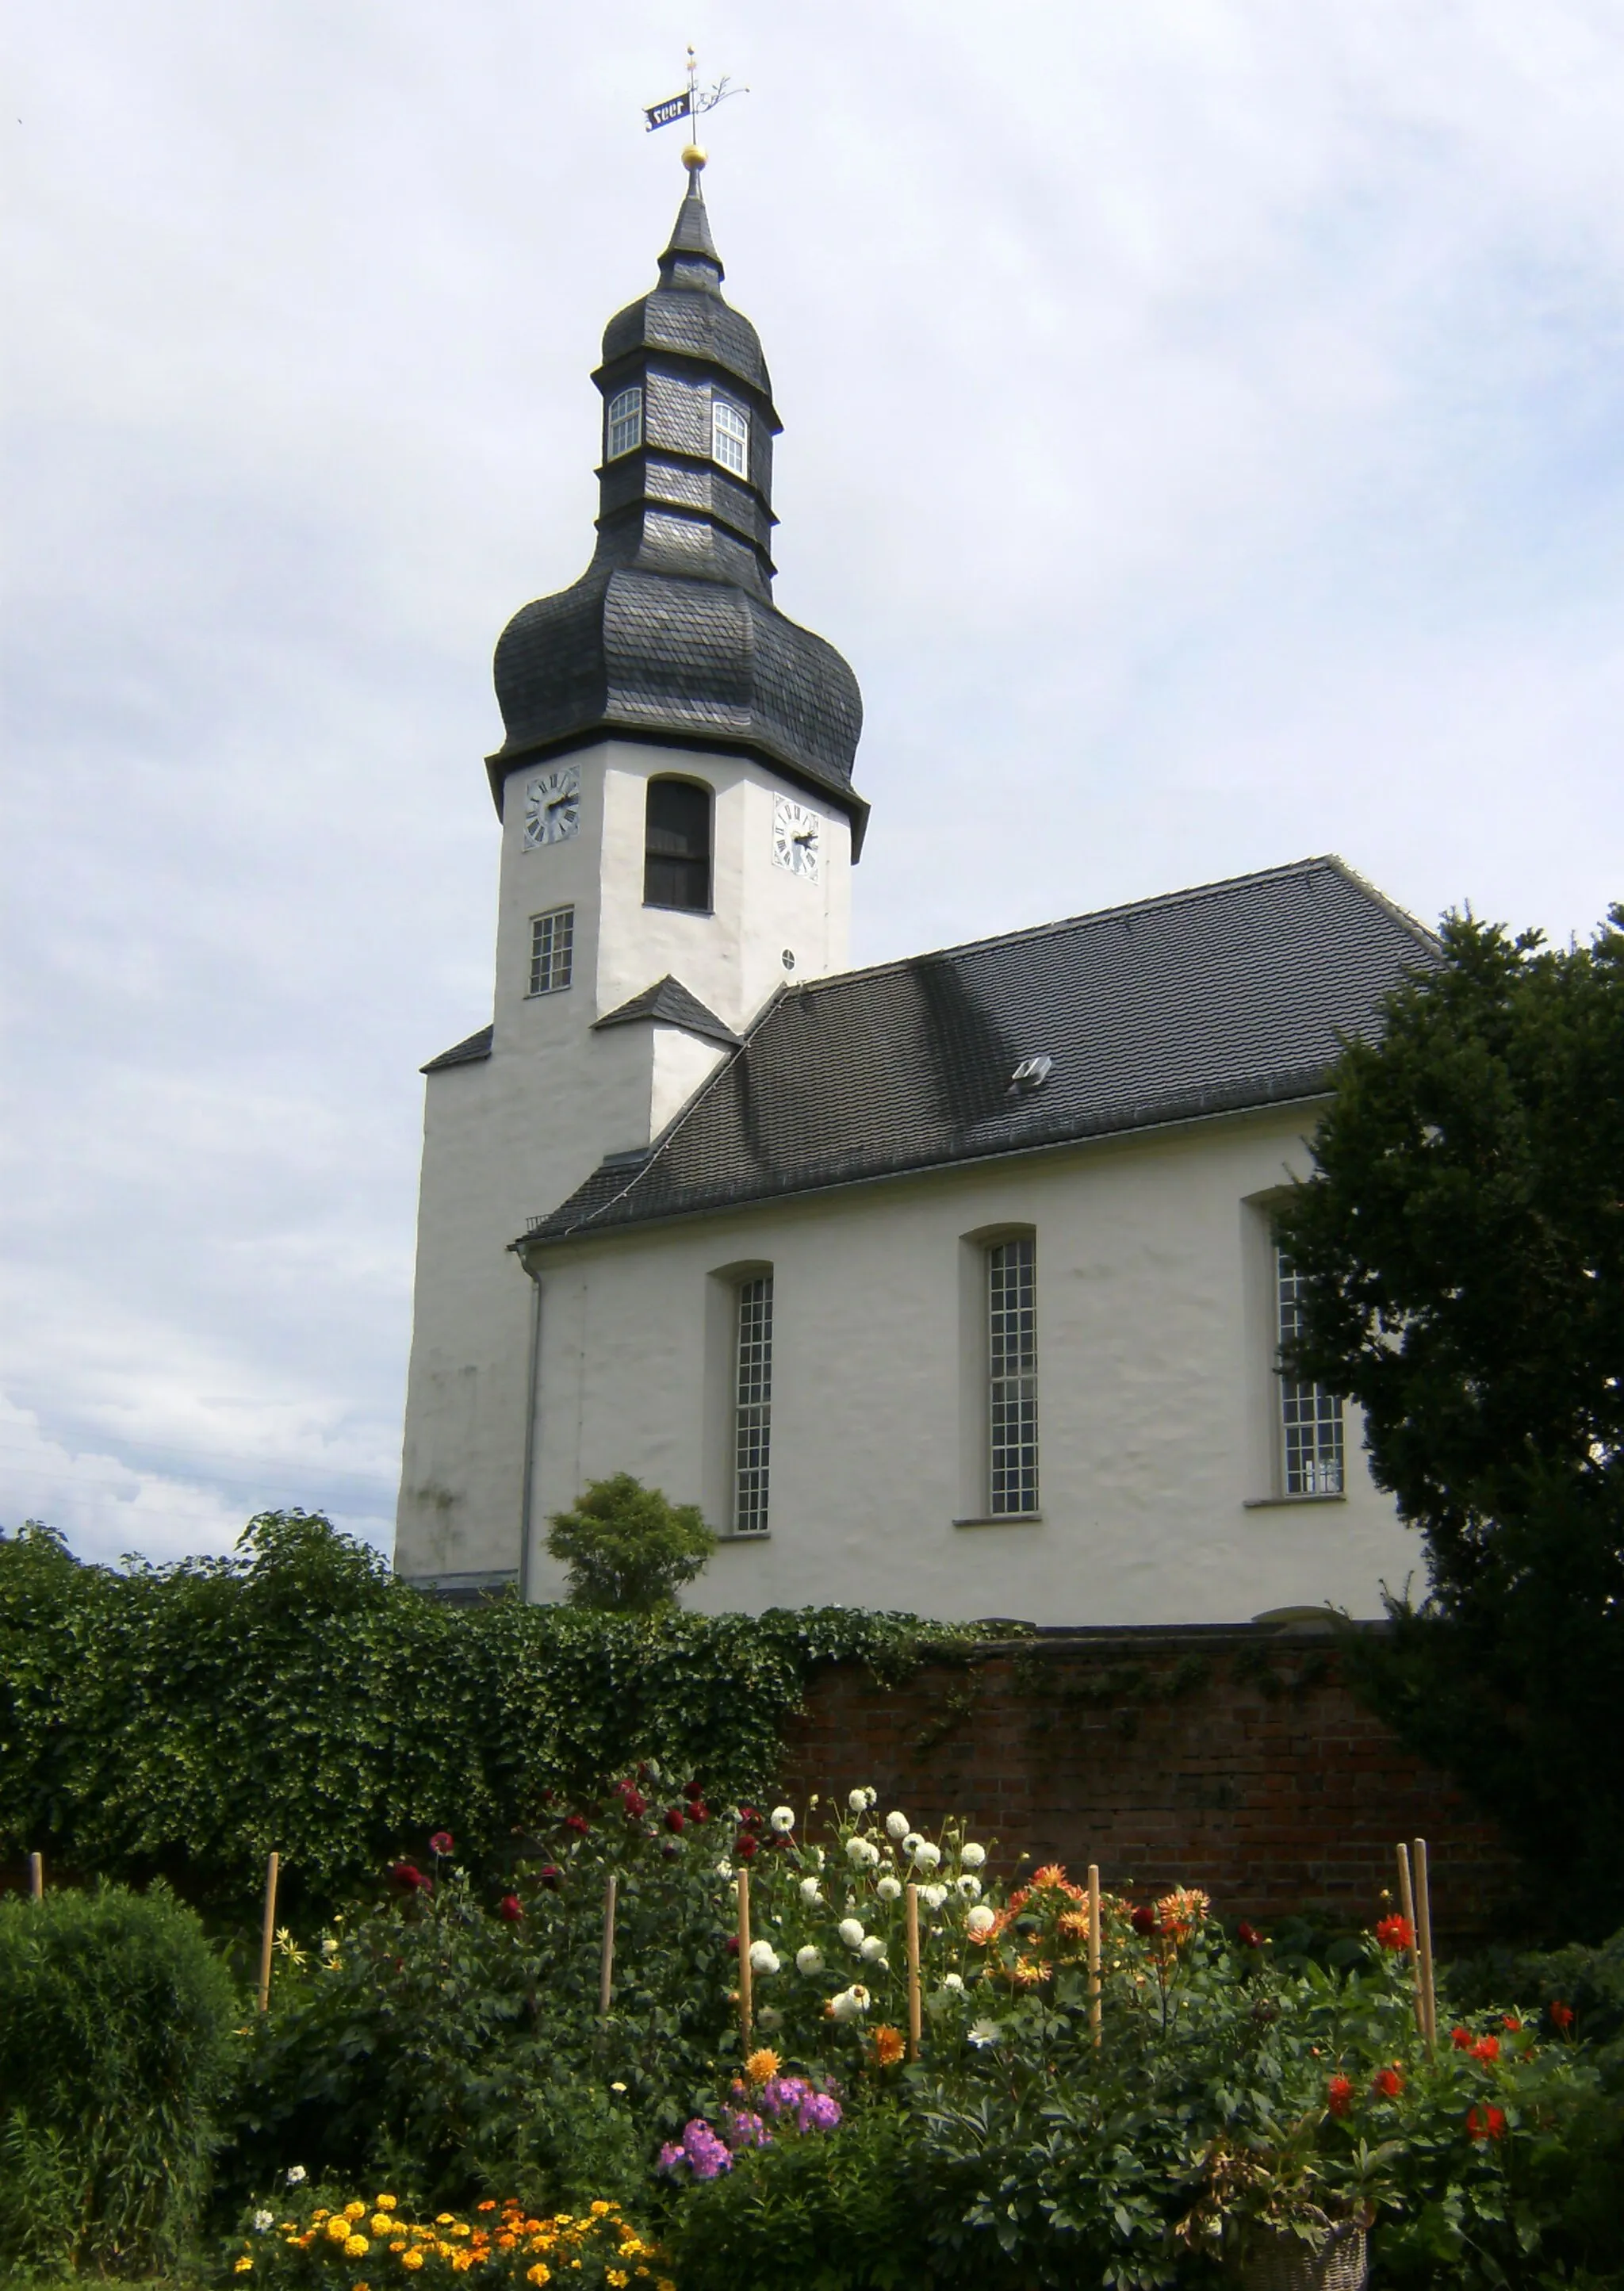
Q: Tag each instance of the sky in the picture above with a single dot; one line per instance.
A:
(1202, 436)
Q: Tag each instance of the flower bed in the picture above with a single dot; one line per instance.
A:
(500, 2243)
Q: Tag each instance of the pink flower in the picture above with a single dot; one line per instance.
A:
(442, 1842)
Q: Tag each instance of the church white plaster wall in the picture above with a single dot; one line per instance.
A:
(508, 1138)
(1155, 1379)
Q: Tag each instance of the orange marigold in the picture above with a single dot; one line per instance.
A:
(889, 2046)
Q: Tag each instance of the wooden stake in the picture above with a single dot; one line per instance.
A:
(1095, 2016)
(36, 1876)
(271, 1868)
(914, 2023)
(1423, 1935)
(745, 2014)
(606, 1972)
(1406, 1902)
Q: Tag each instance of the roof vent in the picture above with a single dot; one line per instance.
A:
(1030, 1074)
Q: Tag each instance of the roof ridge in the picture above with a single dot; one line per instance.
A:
(1195, 891)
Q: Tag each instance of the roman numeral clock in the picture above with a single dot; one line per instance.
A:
(796, 831)
(552, 805)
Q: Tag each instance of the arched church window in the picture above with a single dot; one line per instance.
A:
(730, 436)
(677, 846)
(625, 423)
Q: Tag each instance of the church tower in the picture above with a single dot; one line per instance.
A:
(678, 828)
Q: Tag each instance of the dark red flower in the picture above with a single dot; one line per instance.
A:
(1510, 2021)
(751, 1819)
(552, 1877)
(633, 1800)
(442, 1842)
(673, 1820)
(744, 1847)
(693, 1789)
(1144, 1920)
(409, 1878)
(1339, 2096)
(511, 1909)
(1395, 1933)
(1388, 2082)
(1486, 2049)
(780, 1837)
(733, 1944)
(1462, 2039)
(1248, 1935)
(699, 1811)
(1486, 2122)
(578, 1822)
(1560, 2014)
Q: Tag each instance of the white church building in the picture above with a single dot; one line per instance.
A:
(948, 1284)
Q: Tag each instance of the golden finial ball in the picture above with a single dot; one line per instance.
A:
(695, 156)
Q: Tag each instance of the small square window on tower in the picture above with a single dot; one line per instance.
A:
(625, 423)
(730, 436)
(552, 950)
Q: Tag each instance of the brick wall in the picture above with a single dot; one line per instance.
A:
(1235, 1759)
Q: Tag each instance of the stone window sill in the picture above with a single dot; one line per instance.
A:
(1005, 1519)
(1289, 1503)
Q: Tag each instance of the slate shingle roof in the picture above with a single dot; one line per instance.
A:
(1205, 1002)
(669, 1001)
(465, 1053)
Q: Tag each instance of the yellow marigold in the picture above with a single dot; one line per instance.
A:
(245, 2266)
(412, 2259)
(356, 2246)
(617, 2277)
(538, 2275)
(460, 2261)
(397, 2245)
(317, 2217)
(889, 2046)
(762, 2064)
(665, 2283)
(462, 2228)
(600, 2210)
(385, 2203)
(337, 2227)
(380, 2223)
(563, 2219)
(360, 2287)
(505, 2242)
(355, 2211)
(442, 2219)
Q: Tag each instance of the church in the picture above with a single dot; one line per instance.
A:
(948, 1284)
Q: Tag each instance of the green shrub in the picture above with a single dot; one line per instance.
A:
(182, 1720)
(841, 2212)
(628, 1549)
(115, 2051)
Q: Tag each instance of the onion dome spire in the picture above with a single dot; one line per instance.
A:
(670, 634)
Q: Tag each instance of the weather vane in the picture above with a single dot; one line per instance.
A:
(692, 105)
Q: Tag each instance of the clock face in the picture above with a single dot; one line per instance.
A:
(552, 805)
(797, 837)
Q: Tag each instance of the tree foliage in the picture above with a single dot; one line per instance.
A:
(628, 1549)
(182, 1720)
(1462, 1244)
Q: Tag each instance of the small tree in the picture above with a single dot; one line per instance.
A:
(628, 1548)
(1462, 1254)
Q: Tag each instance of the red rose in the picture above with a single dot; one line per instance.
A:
(579, 1823)
(744, 1847)
(673, 1820)
(1388, 2082)
(1461, 2040)
(1395, 1933)
(1339, 2096)
(1562, 2014)
(1144, 1920)
(442, 1842)
(1249, 1936)
(1486, 2122)
(510, 1909)
(1486, 2048)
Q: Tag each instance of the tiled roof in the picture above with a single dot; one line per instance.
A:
(466, 1053)
(670, 1004)
(1206, 1002)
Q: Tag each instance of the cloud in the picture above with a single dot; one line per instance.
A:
(1202, 436)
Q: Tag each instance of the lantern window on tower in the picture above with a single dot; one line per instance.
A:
(730, 436)
(625, 423)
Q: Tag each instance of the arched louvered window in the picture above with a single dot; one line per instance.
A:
(625, 423)
(677, 846)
